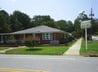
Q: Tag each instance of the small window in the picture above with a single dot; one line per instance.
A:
(47, 36)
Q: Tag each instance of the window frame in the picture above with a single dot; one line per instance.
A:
(47, 36)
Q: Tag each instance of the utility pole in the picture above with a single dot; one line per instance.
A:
(91, 14)
(91, 17)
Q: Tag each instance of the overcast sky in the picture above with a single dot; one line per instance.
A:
(57, 9)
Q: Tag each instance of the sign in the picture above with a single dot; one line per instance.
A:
(86, 24)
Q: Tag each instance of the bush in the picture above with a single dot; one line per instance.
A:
(31, 42)
(76, 34)
(66, 40)
(63, 41)
(96, 33)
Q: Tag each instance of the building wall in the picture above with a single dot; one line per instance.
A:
(56, 36)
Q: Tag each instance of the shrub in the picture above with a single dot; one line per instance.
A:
(35, 42)
(96, 33)
(76, 34)
(31, 42)
(66, 40)
(63, 41)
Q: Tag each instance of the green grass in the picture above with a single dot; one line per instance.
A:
(51, 50)
(92, 48)
(42, 50)
(2, 48)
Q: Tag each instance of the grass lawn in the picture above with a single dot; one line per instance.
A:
(92, 48)
(44, 50)
(2, 48)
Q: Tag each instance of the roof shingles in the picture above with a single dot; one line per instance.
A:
(38, 29)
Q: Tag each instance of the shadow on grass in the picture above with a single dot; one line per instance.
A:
(34, 49)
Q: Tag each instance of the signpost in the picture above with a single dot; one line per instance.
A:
(84, 25)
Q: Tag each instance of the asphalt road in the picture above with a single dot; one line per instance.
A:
(50, 63)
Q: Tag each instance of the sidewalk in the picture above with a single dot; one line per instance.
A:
(74, 49)
(3, 51)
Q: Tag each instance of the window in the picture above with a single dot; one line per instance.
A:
(47, 36)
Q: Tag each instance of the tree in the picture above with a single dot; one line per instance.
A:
(4, 22)
(67, 26)
(20, 21)
(78, 31)
(61, 24)
(70, 27)
(43, 20)
(15, 24)
(95, 26)
(82, 16)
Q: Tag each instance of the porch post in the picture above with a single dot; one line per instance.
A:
(2, 39)
(34, 35)
(24, 37)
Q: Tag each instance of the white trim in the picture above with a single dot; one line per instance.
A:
(47, 36)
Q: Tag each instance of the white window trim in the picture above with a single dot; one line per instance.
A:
(47, 36)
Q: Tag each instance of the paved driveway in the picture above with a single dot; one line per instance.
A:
(50, 63)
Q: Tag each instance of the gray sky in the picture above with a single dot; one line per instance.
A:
(57, 9)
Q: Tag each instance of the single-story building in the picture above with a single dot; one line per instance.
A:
(42, 33)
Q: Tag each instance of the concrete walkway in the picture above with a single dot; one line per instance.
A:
(3, 51)
(74, 49)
